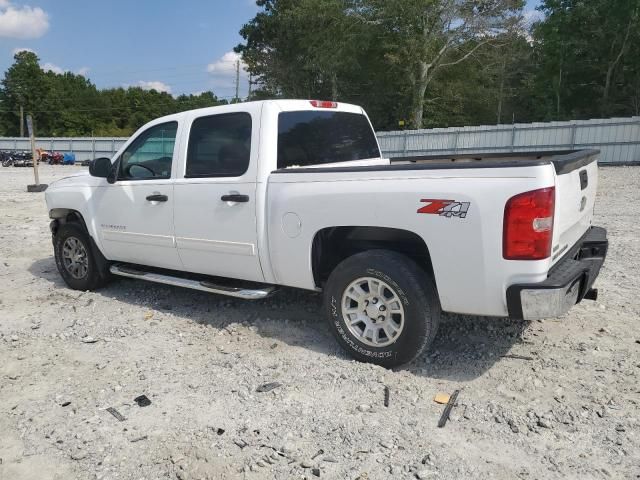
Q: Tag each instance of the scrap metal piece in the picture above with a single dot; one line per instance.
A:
(387, 393)
(142, 401)
(517, 357)
(267, 387)
(116, 414)
(447, 409)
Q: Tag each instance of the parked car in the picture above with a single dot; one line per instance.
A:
(240, 199)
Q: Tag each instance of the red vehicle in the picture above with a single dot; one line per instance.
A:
(52, 158)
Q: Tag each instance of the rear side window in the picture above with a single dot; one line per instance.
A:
(317, 137)
(219, 146)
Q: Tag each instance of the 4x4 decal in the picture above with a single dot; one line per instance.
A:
(444, 208)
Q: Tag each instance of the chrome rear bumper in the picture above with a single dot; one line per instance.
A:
(569, 281)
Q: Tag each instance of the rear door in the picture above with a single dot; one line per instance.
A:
(575, 198)
(215, 209)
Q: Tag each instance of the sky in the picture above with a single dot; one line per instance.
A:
(175, 46)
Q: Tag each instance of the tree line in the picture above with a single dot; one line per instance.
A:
(438, 63)
(409, 63)
(70, 105)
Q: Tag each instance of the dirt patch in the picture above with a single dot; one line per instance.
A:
(551, 399)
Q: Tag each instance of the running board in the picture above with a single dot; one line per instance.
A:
(204, 286)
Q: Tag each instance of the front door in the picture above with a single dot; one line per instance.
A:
(215, 204)
(135, 214)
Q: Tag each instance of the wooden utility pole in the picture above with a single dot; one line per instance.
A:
(21, 121)
(36, 187)
(237, 80)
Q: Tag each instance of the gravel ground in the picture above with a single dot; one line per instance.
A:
(569, 408)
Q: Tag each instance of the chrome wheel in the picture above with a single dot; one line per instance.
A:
(74, 258)
(373, 312)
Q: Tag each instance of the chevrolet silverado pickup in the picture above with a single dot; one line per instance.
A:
(240, 199)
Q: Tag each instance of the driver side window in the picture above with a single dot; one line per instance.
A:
(150, 155)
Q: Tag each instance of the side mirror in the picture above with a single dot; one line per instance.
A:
(100, 167)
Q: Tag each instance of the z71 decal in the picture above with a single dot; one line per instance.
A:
(444, 208)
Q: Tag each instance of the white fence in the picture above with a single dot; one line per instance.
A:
(617, 138)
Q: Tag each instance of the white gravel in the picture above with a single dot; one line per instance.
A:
(572, 411)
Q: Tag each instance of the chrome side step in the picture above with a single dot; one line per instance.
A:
(204, 286)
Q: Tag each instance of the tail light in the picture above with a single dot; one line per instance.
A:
(528, 225)
(324, 104)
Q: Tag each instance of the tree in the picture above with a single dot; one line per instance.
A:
(587, 50)
(70, 105)
(23, 85)
(349, 48)
(493, 86)
(301, 48)
(425, 37)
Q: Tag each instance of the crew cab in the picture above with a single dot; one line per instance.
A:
(240, 199)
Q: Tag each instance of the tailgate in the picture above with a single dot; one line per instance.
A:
(576, 186)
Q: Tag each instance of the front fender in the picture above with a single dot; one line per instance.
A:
(63, 201)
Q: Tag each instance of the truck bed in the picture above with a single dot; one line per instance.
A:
(564, 161)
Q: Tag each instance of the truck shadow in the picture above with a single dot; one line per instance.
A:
(465, 347)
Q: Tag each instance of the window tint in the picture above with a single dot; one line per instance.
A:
(317, 137)
(219, 146)
(150, 155)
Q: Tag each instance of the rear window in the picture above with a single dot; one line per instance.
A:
(318, 137)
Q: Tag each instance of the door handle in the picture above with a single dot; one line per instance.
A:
(235, 198)
(157, 198)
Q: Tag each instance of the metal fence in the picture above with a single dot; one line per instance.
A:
(84, 148)
(617, 138)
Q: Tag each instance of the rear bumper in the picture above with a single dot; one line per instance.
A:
(569, 281)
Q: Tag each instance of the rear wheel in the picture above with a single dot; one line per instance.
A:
(75, 259)
(382, 307)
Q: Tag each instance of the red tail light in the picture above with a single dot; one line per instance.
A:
(528, 225)
(324, 104)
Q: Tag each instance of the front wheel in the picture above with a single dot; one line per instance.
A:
(75, 259)
(382, 307)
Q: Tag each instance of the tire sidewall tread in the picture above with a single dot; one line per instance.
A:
(93, 279)
(416, 291)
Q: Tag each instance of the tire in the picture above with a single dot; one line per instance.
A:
(75, 258)
(409, 321)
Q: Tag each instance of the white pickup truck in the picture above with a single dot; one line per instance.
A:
(240, 199)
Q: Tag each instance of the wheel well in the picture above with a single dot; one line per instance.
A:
(334, 244)
(60, 216)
